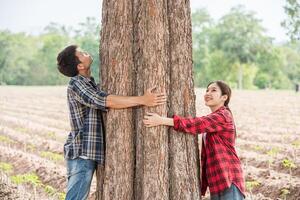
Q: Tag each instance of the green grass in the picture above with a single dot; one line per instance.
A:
(252, 184)
(288, 164)
(49, 190)
(30, 178)
(52, 156)
(296, 143)
(6, 139)
(273, 152)
(51, 135)
(6, 167)
(284, 193)
(258, 148)
(22, 129)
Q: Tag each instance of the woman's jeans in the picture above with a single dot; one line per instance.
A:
(80, 173)
(232, 193)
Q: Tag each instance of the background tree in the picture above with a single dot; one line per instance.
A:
(239, 35)
(31, 59)
(292, 23)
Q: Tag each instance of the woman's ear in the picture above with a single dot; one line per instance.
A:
(225, 97)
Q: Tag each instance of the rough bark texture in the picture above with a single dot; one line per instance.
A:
(117, 78)
(145, 44)
(151, 59)
(183, 149)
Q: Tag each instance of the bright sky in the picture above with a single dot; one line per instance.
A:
(32, 16)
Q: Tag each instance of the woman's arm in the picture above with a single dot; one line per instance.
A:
(211, 123)
(153, 119)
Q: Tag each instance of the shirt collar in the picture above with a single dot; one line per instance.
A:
(81, 77)
(221, 108)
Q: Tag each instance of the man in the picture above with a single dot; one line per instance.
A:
(84, 148)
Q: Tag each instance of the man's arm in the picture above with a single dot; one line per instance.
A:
(148, 99)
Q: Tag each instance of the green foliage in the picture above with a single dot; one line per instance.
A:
(296, 143)
(53, 192)
(21, 129)
(52, 156)
(237, 50)
(288, 164)
(284, 192)
(30, 178)
(6, 167)
(34, 180)
(292, 23)
(258, 148)
(31, 60)
(234, 48)
(252, 184)
(49, 190)
(61, 196)
(31, 147)
(6, 139)
(51, 135)
(273, 152)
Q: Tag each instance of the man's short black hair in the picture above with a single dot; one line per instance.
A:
(67, 61)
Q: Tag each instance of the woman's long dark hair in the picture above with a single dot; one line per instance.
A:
(225, 90)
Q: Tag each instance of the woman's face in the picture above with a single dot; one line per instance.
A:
(213, 96)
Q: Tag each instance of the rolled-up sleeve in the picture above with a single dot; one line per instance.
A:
(210, 123)
(89, 96)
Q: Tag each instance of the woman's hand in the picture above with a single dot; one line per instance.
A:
(153, 119)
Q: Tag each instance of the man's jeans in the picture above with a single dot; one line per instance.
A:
(80, 173)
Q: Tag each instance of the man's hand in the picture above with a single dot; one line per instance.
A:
(154, 99)
(148, 99)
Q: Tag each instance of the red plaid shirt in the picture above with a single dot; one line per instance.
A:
(220, 164)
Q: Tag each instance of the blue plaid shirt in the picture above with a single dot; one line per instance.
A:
(86, 103)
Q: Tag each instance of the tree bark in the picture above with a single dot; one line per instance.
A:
(117, 78)
(146, 44)
(183, 150)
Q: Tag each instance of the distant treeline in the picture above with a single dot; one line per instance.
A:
(235, 49)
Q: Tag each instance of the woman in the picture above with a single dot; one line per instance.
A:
(221, 167)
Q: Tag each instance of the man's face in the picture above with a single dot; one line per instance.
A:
(85, 59)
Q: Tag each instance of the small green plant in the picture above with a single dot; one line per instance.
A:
(296, 143)
(61, 195)
(53, 192)
(49, 190)
(272, 154)
(284, 192)
(21, 129)
(250, 185)
(52, 156)
(30, 178)
(31, 147)
(6, 139)
(289, 164)
(6, 167)
(51, 135)
(258, 148)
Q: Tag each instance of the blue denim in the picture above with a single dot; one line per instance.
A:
(80, 173)
(232, 193)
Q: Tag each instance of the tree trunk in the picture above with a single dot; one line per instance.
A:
(146, 44)
(117, 78)
(183, 150)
